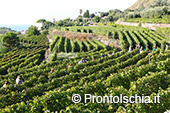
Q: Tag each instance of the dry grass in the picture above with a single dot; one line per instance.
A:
(85, 36)
(70, 35)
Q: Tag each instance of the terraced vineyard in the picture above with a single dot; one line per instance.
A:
(126, 73)
(128, 36)
(62, 44)
(35, 41)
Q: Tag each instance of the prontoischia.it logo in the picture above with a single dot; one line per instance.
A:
(76, 98)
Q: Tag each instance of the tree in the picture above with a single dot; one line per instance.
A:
(154, 12)
(103, 14)
(81, 11)
(110, 18)
(86, 14)
(10, 40)
(92, 15)
(41, 21)
(113, 12)
(79, 19)
(96, 19)
(47, 24)
(45, 32)
(32, 31)
(60, 23)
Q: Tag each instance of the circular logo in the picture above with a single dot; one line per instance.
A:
(76, 98)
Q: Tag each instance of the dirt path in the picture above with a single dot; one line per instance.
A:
(47, 53)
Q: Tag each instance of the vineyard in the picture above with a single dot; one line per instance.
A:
(62, 44)
(127, 36)
(126, 73)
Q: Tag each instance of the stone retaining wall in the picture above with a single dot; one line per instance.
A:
(148, 25)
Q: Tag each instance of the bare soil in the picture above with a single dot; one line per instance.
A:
(80, 36)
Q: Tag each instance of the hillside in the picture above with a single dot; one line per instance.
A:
(141, 3)
(104, 72)
(3, 30)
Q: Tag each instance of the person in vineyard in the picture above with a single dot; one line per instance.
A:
(166, 47)
(141, 49)
(130, 49)
(46, 56)
(47, 60)
(144, 49)
(52, 70)
(137, 46)
(101, 55)
(47, 52)
(82, 61)
(18, 80)
(70, 65)
(108, 54)
(6, 83)
(113, 53)
(154, 49)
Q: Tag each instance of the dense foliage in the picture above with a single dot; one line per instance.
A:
(10, 40)
(140, 4)
(101, 77)
(32, 31)
(160, 19)
(126, 73)
(157, 11)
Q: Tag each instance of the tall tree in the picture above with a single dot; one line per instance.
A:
(96, 19)
(81, 11)
(86, 14)
(47, 24)
(10, 40)
(41, 21)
